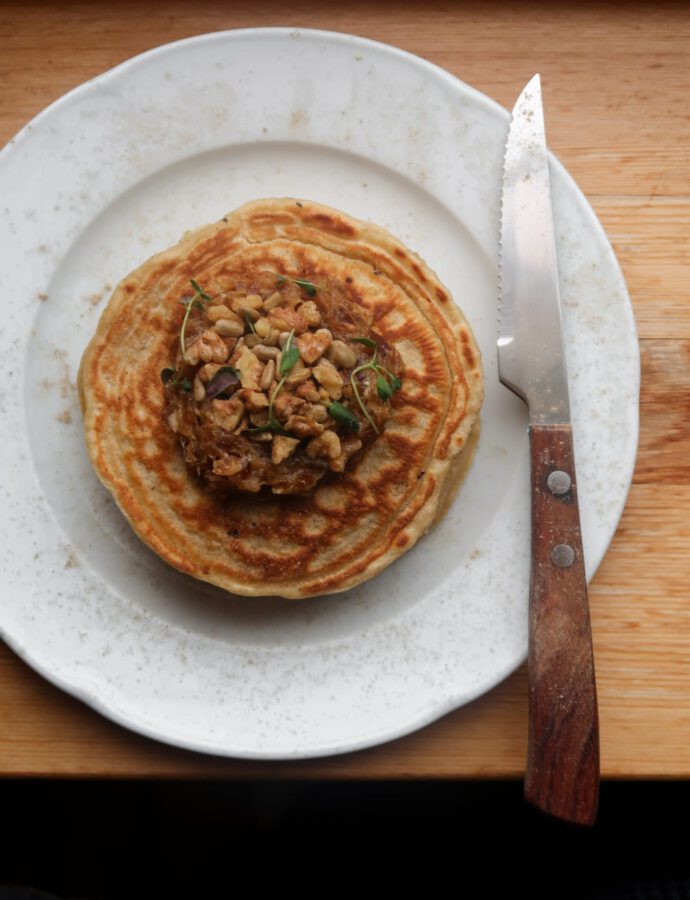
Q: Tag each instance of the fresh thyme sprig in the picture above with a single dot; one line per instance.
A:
(289, 357)
(386, 382)
(172, 377)
(200, 297)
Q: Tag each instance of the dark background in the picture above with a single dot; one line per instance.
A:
(127, 839)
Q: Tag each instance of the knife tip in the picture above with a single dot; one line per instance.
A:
(530, 95)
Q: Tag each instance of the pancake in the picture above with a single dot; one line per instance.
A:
(251, 535)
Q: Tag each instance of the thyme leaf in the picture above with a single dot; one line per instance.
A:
(343, 415)
(383, 388)
(288, 360)
(307, 286)
(396, 383)
(200, 297)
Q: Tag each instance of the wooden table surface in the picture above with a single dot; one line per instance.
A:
(618, 81)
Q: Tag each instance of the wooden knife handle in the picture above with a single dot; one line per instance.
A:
(562, 776)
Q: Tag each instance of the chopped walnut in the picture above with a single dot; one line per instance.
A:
(227, 413)
(259, 418)
(308, 391)
(316, 411)
(298, 373)
(349, 447)
(228, 465)
(282, 448)
(208, 347)
(286, 319)
(250, 369)
(326, 445)
(329, 378)
(312, 345)
(310, 313)
(286, 404)
(303, 427)
(253, 400)
(207, 372)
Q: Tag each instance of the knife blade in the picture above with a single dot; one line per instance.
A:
(562, 769)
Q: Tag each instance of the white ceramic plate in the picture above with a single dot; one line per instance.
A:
(117, 170)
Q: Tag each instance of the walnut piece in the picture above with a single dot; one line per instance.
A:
(326, 446)
(308, 391)
(228, 465)
(282, 448)
(253, 400)
(312, 345)
(227, 413)
(250, 369)
(310, 313)
(286, 319)
(303, 427)
(329, 378)
(208, 347)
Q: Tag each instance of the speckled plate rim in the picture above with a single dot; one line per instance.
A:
(97, 695)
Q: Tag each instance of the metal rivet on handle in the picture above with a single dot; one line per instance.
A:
(562, 556)
(558, 482)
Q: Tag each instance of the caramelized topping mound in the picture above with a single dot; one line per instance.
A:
(277, 382)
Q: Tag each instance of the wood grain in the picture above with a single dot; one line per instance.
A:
(616, 80)
(562, 775)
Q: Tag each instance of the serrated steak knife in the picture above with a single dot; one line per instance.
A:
(562, 773)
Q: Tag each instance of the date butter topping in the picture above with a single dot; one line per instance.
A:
(276, 382)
